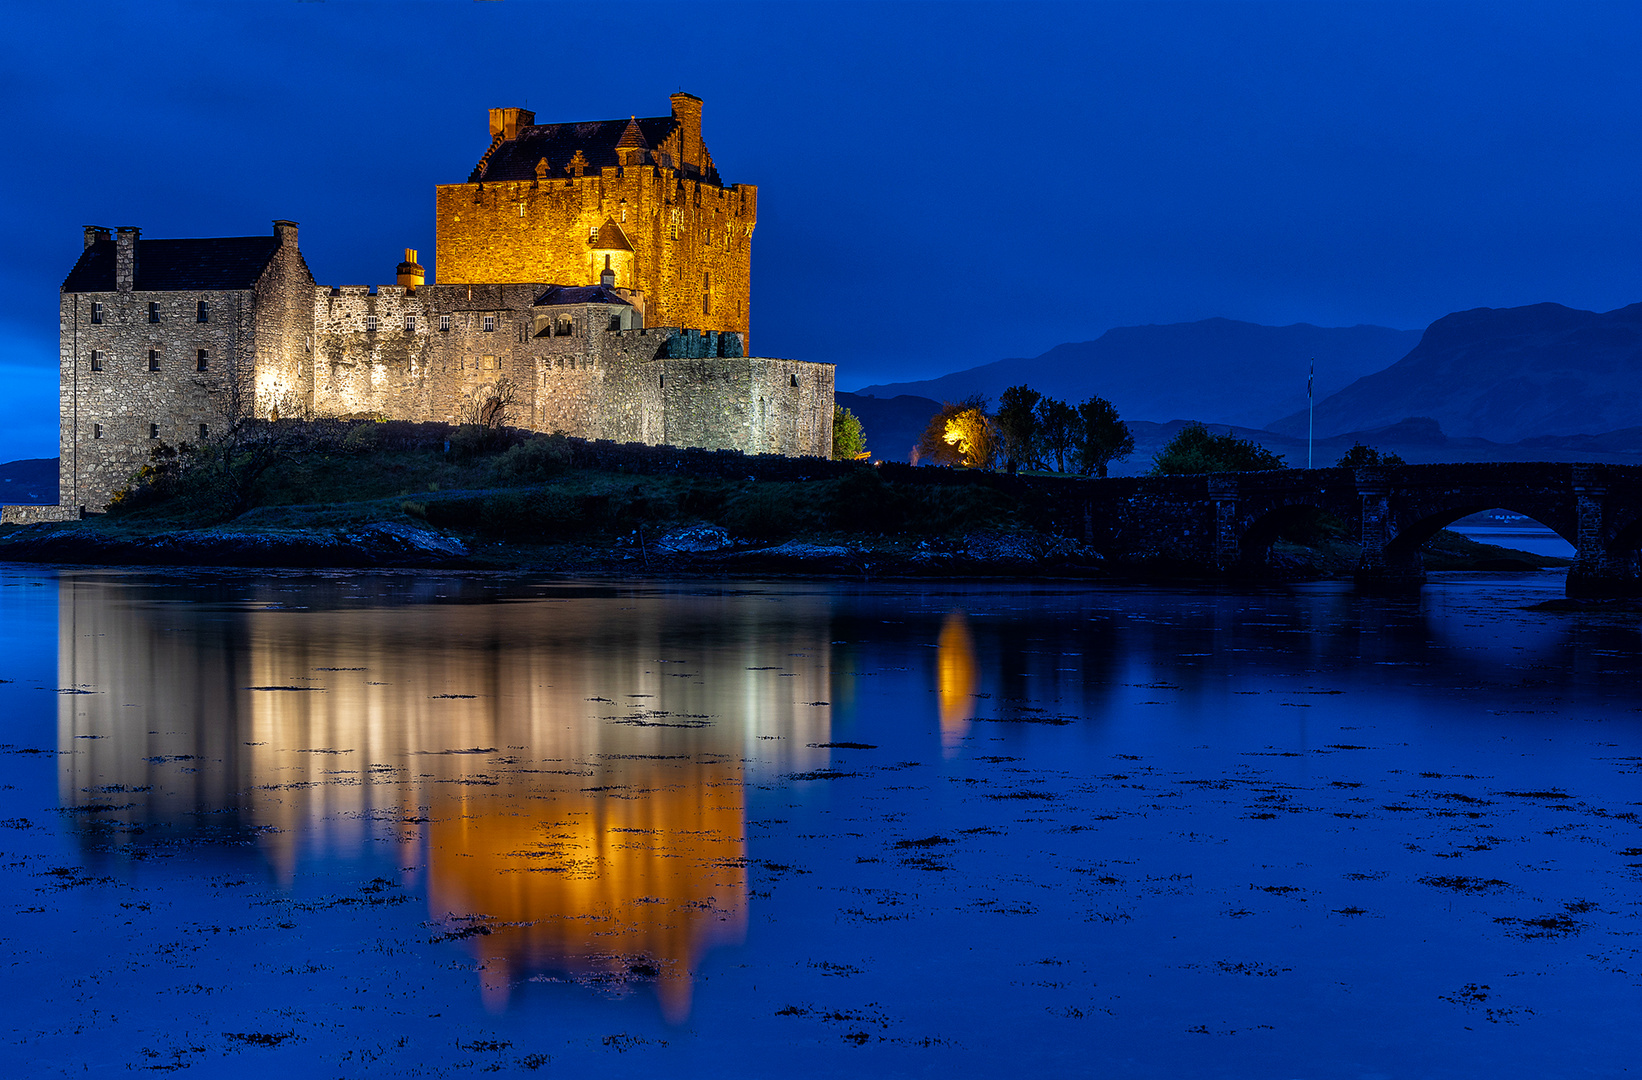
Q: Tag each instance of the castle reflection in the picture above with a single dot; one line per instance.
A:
(567, 776)
(955, 680)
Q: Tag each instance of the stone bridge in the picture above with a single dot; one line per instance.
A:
(1228, 521)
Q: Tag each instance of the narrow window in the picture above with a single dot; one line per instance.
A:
(202, 312)
(96, 360)
(96, 311)
(592, 234)
(706, 294)
(410, 323)
(204, 430)
(661, 380)
(615, 322)
(153, 431)
(795, 380)
(96, 431)
(153, 359)
(203, 361)
(444, 322)
(490, 323)
(370, 323)
(153, 312)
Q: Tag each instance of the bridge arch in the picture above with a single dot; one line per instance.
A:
(1262, 528)
(1413, 531)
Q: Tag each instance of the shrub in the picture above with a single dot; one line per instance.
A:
(533, 462)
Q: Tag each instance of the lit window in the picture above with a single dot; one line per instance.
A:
(204, 430)
(410, 322)
(370, 322)
(153, 312)
(202, 312)
(490, 323)
(153, 359)
(592, 234)
(444, 322)
(96, 431)
(96, 360)
(153, 431)
(96, 312)
(203, 360)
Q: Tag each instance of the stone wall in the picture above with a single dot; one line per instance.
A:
(692, 240)
(29, 515)
(111, 418)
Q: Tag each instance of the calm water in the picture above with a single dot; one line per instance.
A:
(1528, 536)
(393, 825)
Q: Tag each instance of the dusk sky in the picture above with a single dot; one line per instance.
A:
(940, 185)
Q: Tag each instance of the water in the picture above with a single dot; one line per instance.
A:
(1529, 536)
(395, 825)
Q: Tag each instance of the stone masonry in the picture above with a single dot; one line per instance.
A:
(594, 277)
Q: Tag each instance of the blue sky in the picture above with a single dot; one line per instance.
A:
(941, 185)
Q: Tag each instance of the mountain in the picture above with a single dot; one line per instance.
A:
(32, 481)
(1505, 374)
(1218, 370)
(893, 425)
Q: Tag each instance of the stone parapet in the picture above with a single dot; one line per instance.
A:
(33, 515)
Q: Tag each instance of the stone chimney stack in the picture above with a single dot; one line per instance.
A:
(687, 111)
(507, 122)
(96, 234)
(608, 278)
(285, 232)
(411, 274)
(125, 257)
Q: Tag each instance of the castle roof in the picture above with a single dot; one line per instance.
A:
(516, 158)
(580, 294)
(611, 237)
(218, 262)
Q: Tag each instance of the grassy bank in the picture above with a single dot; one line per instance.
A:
(525, 506)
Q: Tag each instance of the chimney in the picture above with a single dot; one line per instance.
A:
(507, 122)
(608, 278)
(125, 257)
(687, 111)
(285, 232)
(96, 234)
(411, 275)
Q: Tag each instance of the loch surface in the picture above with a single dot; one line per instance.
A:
(411, 825)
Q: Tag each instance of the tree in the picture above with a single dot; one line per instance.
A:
(961, 434)
(1057, 431)
(1017, 424)
(849, 438)
(1359, 456)
(1105, 437)
(1194, 450)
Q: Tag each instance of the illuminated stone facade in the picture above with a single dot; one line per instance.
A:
(551, 202)
(593, 276)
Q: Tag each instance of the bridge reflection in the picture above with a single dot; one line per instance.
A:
(565, 782)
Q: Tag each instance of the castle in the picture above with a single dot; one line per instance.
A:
(593, 279)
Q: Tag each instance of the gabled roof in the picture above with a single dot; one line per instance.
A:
(515, 159)
(579, 294)
(611, 237)
(219, 262)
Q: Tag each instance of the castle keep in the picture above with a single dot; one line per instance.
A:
(593, 279)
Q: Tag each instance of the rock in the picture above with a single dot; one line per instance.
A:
(694, 538)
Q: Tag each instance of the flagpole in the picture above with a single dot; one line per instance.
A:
(1311, 409)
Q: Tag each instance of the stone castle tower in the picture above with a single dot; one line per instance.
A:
(592, 276)
(560, 202)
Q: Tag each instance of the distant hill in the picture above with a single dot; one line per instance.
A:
(1218, 370)
(1504, 374)
(32, 481)
(893, 425)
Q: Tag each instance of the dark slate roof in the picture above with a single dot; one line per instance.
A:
(579, 294)
(219, 262)
(597, 140)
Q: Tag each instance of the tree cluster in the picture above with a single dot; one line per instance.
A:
(1045, 433)
(1194, 449)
